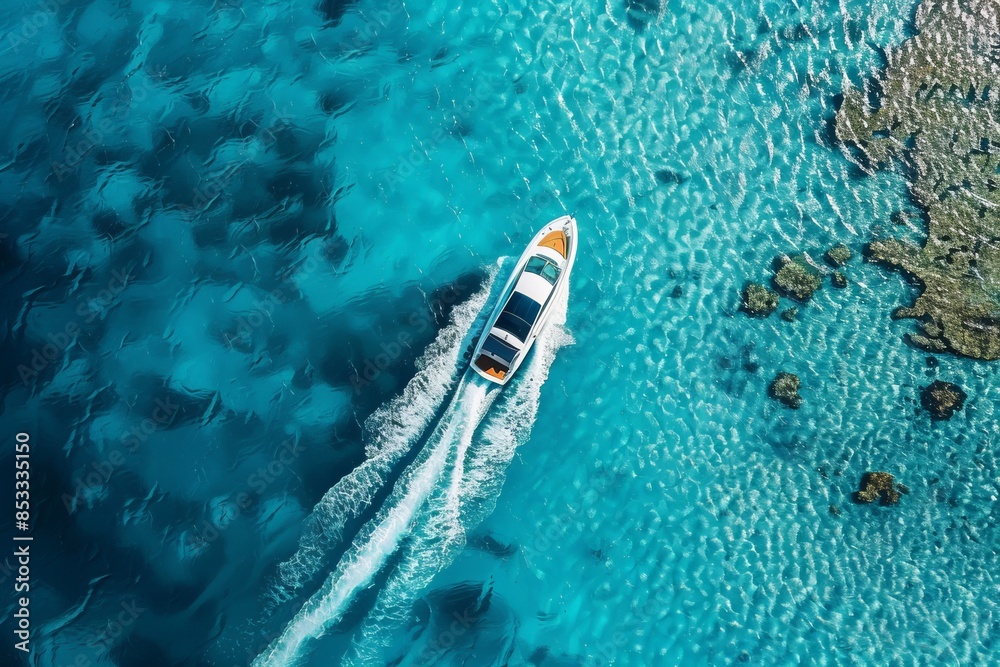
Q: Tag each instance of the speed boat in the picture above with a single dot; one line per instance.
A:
(539, 278)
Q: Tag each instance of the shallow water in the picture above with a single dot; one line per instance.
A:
(266, 222)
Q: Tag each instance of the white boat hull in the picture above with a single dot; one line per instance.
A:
(540, 277)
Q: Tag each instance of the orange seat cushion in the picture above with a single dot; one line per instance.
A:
(557, 241)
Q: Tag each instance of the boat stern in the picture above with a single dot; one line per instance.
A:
(491, 370)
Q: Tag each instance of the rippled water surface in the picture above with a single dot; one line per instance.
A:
(244, 247)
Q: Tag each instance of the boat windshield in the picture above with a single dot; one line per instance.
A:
(543, 267)
(499, 349)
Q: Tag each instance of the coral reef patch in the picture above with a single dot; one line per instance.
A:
(838, 255)
(759, 301)
(879, 486)
(942, 399)
(797, 278)
(785, 388)
(936, 114)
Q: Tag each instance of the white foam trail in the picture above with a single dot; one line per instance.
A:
(475, 482)
(381, 536)
(452, 483)
(396, 426)
(510, 424)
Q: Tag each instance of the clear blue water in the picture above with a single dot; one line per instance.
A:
(270, 228)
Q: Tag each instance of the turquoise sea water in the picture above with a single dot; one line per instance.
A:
(273, 226)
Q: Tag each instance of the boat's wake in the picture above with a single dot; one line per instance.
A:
(395, 429)
(450, 486)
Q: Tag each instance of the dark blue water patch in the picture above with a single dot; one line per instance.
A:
(69, 560)
(488, 543)
(13, 84)
(461, 624)
(336, 101)
(199, 135)
(446, 297)
(444, 56)
(108, 225)
(107, 64)
(14, 373)
(82, 557)
(209, 231)
(237, 194)
(800, 32)
(152, 395)
(355, 360)
(543, 656)
(292, 144)
(461, 127)
(670, 177)
(291, 228)
(336, 250)
(325, 465)
(32, 152)
(176, 54)
(137, 651)
(334, 11)
(739, 368)
(78, 324)
(127, 262)
(252, 190)
(199, 102)
(304, 376)
(792, 434)
(10, 261)
(246, 125)
(472, 600)
(641, 13)
(300, 181)
(170, 597)
(377, 357)
(171, 166)
(742, 61)
(20, 212)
